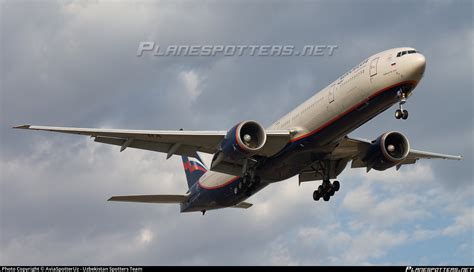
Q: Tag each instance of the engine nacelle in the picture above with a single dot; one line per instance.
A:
(388, 150)
(243, 140)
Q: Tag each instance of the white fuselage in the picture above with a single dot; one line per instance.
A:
(347, 93)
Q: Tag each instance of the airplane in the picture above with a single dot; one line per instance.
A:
(310, 141)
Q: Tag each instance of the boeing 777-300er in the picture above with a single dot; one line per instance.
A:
(311, 141)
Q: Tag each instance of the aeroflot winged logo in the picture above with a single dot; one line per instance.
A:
(193, 165)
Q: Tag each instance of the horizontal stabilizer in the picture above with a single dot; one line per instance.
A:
(150, 198)
(243, 205)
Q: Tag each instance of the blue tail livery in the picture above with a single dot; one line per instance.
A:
(194, 168)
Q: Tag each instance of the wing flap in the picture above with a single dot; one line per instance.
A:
(164, 199)
(349, 148)
(183, 150)
(243, 205)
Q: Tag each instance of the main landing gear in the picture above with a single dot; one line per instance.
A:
(247, 185)
(326, 190)
(249, 181)
(400, 113)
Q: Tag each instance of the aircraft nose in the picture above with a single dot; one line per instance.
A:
(418, 64)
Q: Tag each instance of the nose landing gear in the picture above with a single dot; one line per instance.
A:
(400, 113)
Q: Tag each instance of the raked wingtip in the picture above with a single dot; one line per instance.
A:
(23, 127)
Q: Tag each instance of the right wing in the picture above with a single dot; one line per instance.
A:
(171, 142)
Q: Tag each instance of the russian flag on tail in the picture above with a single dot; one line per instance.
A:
(194, 168)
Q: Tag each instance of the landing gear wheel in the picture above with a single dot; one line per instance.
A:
(328, 189)
(326, 197)
(316, 195)
(399, 114)
(245, 179)
(331, 191)
(404, 114)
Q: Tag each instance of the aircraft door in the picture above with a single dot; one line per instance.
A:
(333, 105)
(373, 67)
(332, 89)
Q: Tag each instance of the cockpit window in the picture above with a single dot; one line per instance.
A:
(399, 54)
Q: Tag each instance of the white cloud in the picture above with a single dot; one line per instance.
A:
(408, 175)
(145, 236)
(343, 247)
(191, 83)
(361, 199)
(390, 197)
(373, 243)
(462, 222)
(278, 254)
(424, 234)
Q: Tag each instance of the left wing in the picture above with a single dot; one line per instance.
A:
(355, 150)
(171, 142)
(415, 155)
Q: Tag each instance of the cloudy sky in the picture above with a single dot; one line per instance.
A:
(73, 63)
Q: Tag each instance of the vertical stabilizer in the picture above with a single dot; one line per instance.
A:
(194, 168)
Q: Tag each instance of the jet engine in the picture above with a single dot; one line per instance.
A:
(239, 144)
(388, 150)
(243, 140)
